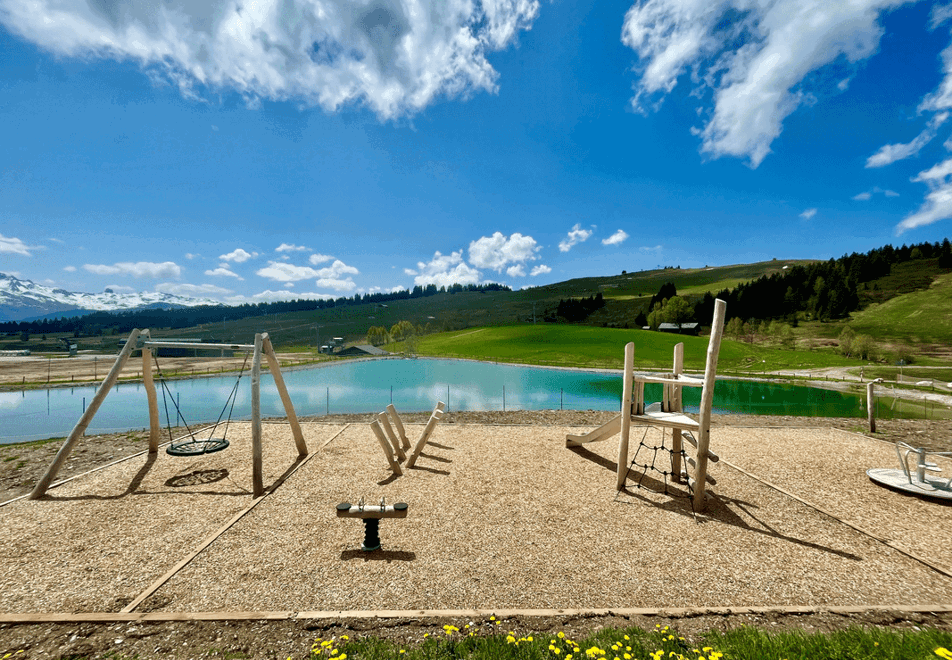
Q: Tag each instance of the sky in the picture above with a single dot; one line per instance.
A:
(250, 152)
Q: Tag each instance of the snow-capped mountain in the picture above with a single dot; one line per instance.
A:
(23, 299)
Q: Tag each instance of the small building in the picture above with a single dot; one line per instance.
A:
(363, 350)
(681, 328)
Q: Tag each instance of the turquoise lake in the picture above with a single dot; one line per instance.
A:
(411, 385)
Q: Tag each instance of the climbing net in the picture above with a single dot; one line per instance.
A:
(658, 460)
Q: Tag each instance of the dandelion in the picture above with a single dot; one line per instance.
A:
(561, 635)
(944, 653)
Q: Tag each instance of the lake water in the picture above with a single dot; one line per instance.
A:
(411, 385)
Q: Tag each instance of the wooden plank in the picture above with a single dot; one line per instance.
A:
(257, 470)
(430, 425)
(669, 420)
(275, 368)
(603, 432)
(871, 407)
(707, 399)
(693, 463)
(682, 380)
(199, 345)
(394, 440)
(44, 483)
(387, 449)
(626, 403)
(398, 424)
(155, 426)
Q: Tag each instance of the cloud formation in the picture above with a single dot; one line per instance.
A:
(747, 58)
(617, 238)
(890, 153)
(239, 256)
(287, 247)
(395, 57)
(938, 202)
(137, 269)
(445, 270)
(868, 194)
(223, 271)
(575, 236)
(193, 290)
(10, 245)
(809, 213)
(280, 271)
(318, 258)
(496, 252)
(541, 269)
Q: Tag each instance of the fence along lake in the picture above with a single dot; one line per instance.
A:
(412, 385)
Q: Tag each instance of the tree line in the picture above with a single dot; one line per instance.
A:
(184, 317)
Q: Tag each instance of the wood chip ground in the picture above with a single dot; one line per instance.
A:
(499, 517)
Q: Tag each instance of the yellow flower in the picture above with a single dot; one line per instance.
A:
(944, 653)
(403, 650)
(342, 656)
(529, 638)
(561, 635)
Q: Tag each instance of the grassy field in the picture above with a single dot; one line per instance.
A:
(583, 346)
(921, 316)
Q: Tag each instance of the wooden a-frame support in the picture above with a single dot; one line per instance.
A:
(142, 339)
(395, 444)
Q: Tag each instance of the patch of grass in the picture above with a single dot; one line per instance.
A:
(584, 346)
(486, 642)
(920, 316)
(10, 458)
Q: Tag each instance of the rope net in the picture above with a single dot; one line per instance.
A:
(657, 459)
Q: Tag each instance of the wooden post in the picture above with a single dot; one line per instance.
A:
(625, 416)
(871, 407)
(677, 405)
(398, 423)
(387, 449)
(430, 425)
(391, 436)
(44, 483)
(285, 397)
(155, 427)
(257, 470)
(707, 398)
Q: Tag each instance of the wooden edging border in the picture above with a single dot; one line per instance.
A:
(182, 563)
(290, 615)
(922, 560)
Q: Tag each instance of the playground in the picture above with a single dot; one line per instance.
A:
(500, 518)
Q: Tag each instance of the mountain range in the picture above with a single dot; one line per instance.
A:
(24, 300)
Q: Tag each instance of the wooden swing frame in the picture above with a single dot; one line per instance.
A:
(142, 339)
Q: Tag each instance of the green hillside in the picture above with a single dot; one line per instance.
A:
(586, 346)
(923, 316)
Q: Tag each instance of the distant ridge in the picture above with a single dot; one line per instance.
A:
(25, 300)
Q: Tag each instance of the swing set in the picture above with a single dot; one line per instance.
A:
(190, 444)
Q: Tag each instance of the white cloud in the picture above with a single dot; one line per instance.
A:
(223, 271)
(938, 202)
(337, 269)
(497, 251)
(809, 213)
(656, 248)
(444, 270)
(190, 256)
(279, 271)
(541, 269)
(843, 85)
(410, 272)
(70, 269)
(748, 59)
(342, 286)
(137, 269)
(394, 57)
(617, 238)
(318, 259)
(287, 247)
(239, 256)
(575, 236)
(193, 290)
(864, 196)
(516, 271)
(890, 153)
(14, 246)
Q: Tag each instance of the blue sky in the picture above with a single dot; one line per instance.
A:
(311, 148)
